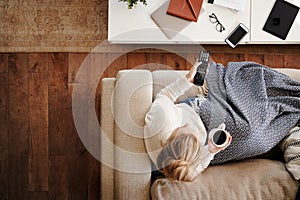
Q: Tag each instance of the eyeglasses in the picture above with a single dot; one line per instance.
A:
(213, 19)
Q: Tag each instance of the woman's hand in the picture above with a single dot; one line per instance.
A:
(214, 149)
(190, 76)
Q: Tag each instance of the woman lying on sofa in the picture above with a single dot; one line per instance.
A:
(258, 105)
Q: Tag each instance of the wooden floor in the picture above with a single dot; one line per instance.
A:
(41, 155)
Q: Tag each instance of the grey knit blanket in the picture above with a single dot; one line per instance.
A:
(258, 105)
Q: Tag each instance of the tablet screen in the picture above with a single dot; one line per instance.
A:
(281, 19)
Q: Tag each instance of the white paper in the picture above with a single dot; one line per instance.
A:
(295, 2)
(233, 4)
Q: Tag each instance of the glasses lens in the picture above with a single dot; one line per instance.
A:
(213, 18)
(220, 27)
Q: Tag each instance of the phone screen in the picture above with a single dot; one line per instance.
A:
(237, 35)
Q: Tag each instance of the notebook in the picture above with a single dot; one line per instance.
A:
(281, 19)
(169, 24)
(186, 9)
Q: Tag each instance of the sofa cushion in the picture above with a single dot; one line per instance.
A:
(291, 147)
(257, 179)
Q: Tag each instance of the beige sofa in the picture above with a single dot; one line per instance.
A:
(126, 168)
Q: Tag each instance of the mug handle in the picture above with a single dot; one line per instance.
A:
(222, 126)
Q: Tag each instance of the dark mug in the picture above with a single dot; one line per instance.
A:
(220, 138)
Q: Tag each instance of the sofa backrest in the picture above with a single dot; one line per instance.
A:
(293, 73)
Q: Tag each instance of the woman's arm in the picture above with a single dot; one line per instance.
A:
(175, 89)
(206, 157)
(208, 152)
(179, 87)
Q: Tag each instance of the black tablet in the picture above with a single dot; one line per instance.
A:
(281, 19)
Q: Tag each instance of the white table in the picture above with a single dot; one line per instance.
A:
(137, 27)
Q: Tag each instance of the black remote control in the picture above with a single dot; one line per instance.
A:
(202, 67)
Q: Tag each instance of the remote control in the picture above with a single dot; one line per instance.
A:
(202, 67)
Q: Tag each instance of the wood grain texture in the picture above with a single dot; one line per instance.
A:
(291, 61)
(274, 60)
(18, 126)
(175, 62)
(218, 57)
(60, 117)
(4, 128)
(259, 58)
(96, 64)
(157, 61)
(93, 178)
(136, 60)
(38, 63)
(76, 60)
(77, 155)
(3, 63)
(38, 123)
(61, 137)
(58, 177)
(116, 63)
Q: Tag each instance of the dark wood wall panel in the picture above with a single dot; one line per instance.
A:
(291, 61)
(156, 61)
(41, 154)
(174, 61)
(136, 60)
(274, 60)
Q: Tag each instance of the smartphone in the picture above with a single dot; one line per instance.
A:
(236, 35)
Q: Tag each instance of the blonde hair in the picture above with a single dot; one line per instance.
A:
(180, 157)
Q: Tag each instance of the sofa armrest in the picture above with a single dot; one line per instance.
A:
(124, 104)
(132, 100)
(107, 140)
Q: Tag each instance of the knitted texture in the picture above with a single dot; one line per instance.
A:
(258, 105)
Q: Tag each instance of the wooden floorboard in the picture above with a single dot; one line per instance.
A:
(18, 126)
(38, 123)
(41, 154)
(4, 127)
(58, 177)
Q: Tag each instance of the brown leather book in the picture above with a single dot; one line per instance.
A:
(186, 9)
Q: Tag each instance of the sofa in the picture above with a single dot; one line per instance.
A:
(127, 171)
